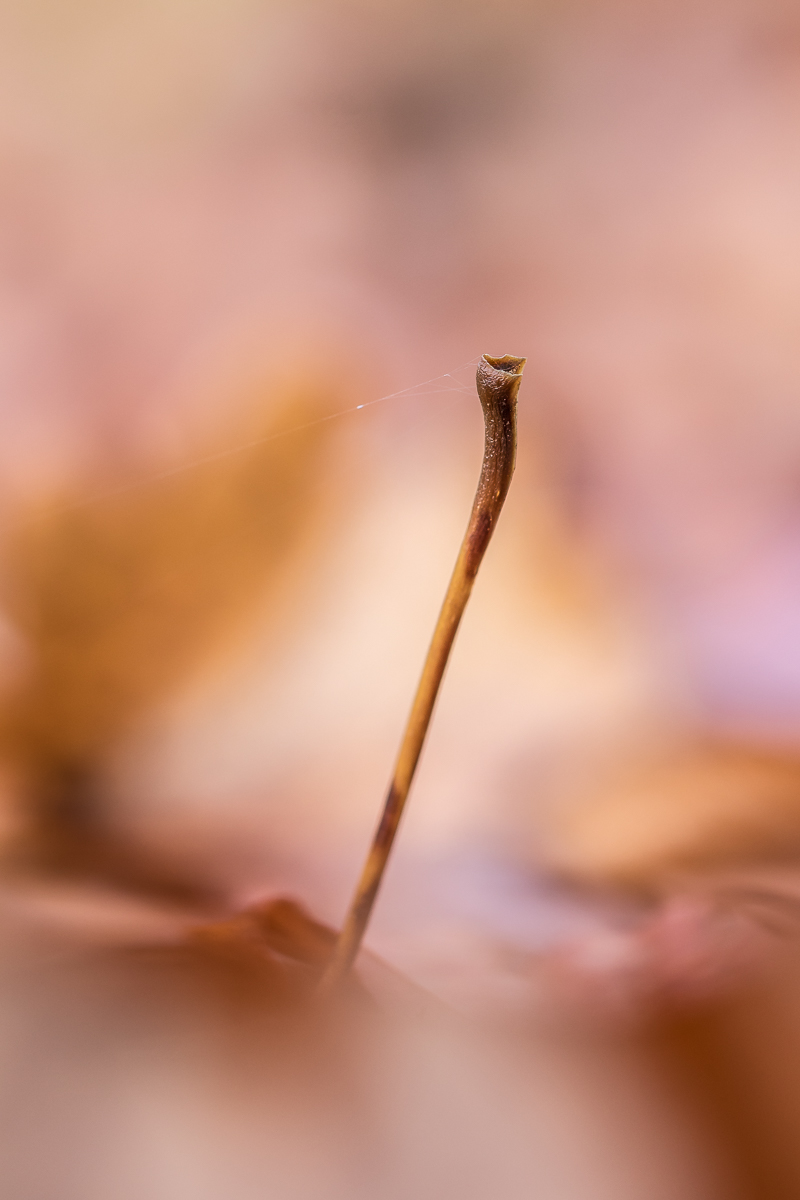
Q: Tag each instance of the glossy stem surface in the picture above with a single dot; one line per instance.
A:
(498, 382)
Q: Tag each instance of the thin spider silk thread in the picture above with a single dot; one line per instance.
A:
(414, 390)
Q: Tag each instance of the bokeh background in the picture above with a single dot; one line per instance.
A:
(251, 253)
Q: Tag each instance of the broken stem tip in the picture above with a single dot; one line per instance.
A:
(498, 382)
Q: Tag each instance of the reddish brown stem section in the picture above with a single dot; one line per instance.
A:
(498, 382)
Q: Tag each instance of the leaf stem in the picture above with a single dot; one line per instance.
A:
(498, 382)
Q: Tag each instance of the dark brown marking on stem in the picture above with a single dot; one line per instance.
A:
(478, 541)
(498, 382)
